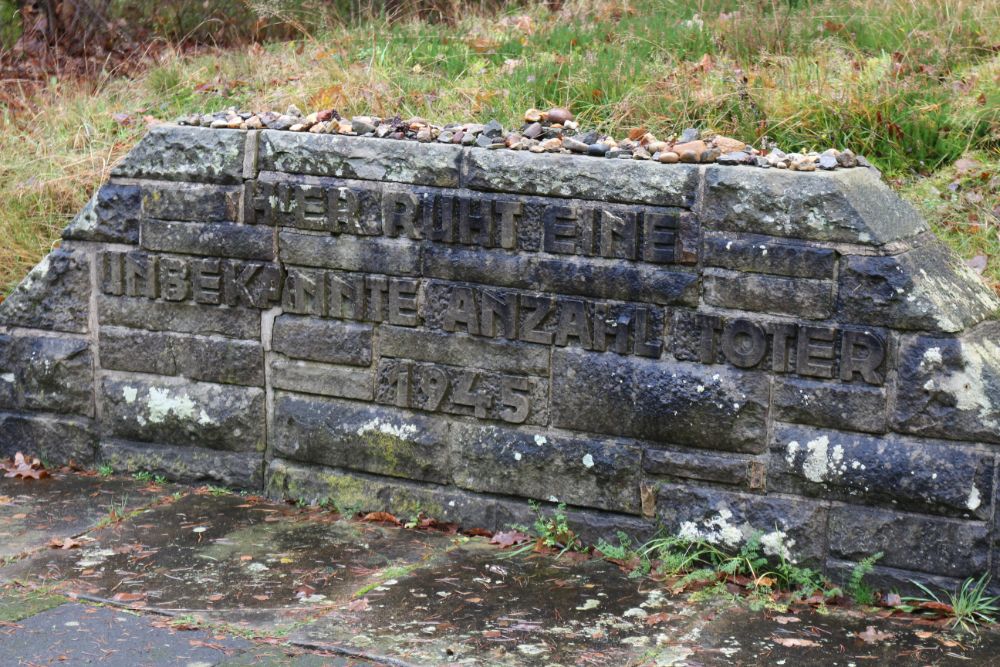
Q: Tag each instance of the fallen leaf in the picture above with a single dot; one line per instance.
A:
(509, 538)
(657, 618)
(381, 517)
(361, 604)
(794, 642)
(491, 634)
(65, 543)
(215, 597)
(784, 620)
(873, 636)
(478, 532)
(262, 598)
(128, 597)
(893, 600)
(6, 500)
(923, 634)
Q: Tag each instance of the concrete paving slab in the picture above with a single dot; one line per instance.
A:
(77, 634)
(32, 512)
(474, 607)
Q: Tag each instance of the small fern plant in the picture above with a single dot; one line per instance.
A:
(860, 592)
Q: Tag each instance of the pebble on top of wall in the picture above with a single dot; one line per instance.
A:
(453, 329)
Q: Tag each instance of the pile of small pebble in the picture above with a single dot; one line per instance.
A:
(552, 131)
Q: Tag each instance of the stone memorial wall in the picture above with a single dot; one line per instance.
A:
(411, 327)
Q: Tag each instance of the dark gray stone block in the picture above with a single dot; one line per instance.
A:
(579, 177)
(928, 476)
(328, 341)
(370, 438)
(950, 387)
(397, 257)
(928, 288)
(463, 350)
(680, 465)
(359, 157)
(175, 153)
(850, 205)
(213, 239)
(173, 411)
(679, 403)
(46, 373)
(592, 472)
(197, 357)
(853, 407)
(54, 296)
(767, 254)
(193, 318)
(309, 378)
(940, 546)
(57, 441)
(192, 465)
(196, 202)
(760, 293)
(112, 215)
(790, 527)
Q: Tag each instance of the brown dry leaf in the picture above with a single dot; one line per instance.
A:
(23, 467)
(381, 517)
(636, 132)
(873, 636)
(361, 604)
(128, 597)
(509, 538)
(215, 597)
(923, 634)
(262, 598)
(794, 642)
(6, 500)
(65, 543)
(784, 620)
(656, 619)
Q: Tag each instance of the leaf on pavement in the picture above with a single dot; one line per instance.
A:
(509, 538)
(794, 642)
(381, 517)
(65, 543)
(873, 636)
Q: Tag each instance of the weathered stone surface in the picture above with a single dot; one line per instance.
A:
(927, 476)
(328, 341)
(463, 350)
(398, 257)
(950, 387)
(890, 578)
(852, 407)
(943, 546)
(179, 412)
(56, 441)
(54, 296)
(214, 239)
(46, 373)
(679, 465)
(175, 153)
(369, 438)
(606, 279)
(579, 177)
(359, 157)
(194, 465)
(851, 206)
(197, 357)
(767, 254)
(791, 527)
(760, 293)
(141, 313)
(677, 403)
(164, 200)
(928, 288)
(592, 472)
(111, 215)
(309, 378)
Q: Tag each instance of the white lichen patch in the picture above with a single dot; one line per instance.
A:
(590, 603)
(932, 355)
(161, 404)
(974, 501)
(716, 530)
(540, 440)
(820, 461)
(635, 612)
(588, 461)
(517, 456)
(7, 377)
(130, 394)
(777, 543)
(402, 431)
(969, 386)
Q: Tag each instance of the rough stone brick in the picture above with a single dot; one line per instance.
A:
(463, 350)
(592, 472)
(942, 546)
(174, 153)
(850, 205)
(46, 373)
(192, 465)
(853, 407)
(679, 403)
(598, 278)
(928, 476)
(767, 254)
(950, 387)
(398, 257)
(57, 441)
(359, 157)
(214, 239)
(760, 293)
(329, 341)
(928, 288)
(54, 296)
(196, 202)
(179, 412)
(370, 438)
(141, 313)
(580, 177)
(309, 378)
(675, 464)
(112, 215)
(196, 357)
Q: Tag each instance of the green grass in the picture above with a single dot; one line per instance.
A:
(913, 86)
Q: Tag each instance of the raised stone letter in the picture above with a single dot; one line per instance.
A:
(206, 281)
(141, 275)
(646, 345)
(509, 212)
(618, 237)
(605, 326)
(573, 323)
(174, 283)
(399, 211)
(112, 275)
(347, 296)
(780, 335)
(403, 302)
(475, 223)
(744, 343)
(659, 233)
(515, 398)
(461, 309)
(344, 212)
(304, 292)
(560, 230)
(377, 286)
(861, 352)
(256, 285)
(535, 309)
(708, 324)
(500, 305)
(815, 352)
(403, 374)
